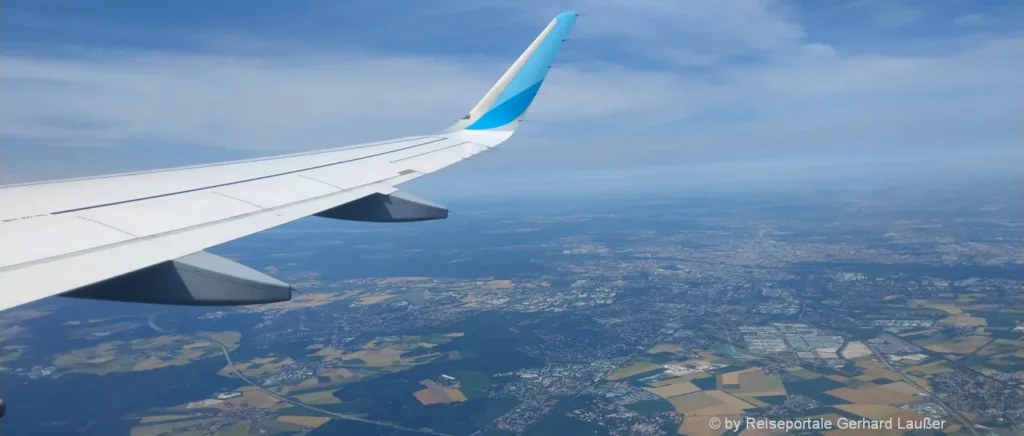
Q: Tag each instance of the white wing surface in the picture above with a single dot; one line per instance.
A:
(140, 236)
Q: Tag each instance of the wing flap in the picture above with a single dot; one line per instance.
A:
(353, 175)
(44, 237)
(277, 191)
(165, 214)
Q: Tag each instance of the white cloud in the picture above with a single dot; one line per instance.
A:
(687, 33)
(117, 98)
(803, 97)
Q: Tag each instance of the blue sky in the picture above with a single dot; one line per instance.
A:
(653, 88)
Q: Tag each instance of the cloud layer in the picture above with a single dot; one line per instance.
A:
(640, 84)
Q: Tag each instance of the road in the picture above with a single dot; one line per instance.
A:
(286, 399)
(966, 423)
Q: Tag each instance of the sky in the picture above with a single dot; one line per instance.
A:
(645, 93)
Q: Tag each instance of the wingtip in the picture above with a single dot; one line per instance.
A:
(568, 14)
(508, 100)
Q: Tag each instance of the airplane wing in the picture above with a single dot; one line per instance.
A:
(140, 236)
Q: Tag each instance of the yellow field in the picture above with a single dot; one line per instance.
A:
(425, 397)
(403, 279)
(149, 363)
(674, 390)
(251, 398)
(996, 307)
(228, 338)
(102, 359)
(855, 349)
(455, 394)
(709, 356)
(752, 382)
(501, 284)
(308, 383)
(949, 308)
(372, 299)
(733, 378)
(281, 390)
(900, 387)
(662, 348)
(965, 320)
(337, 372)
(159, 341)
(201, 404)
(160, 429)
(803, 373)
(329, 353)
(967, 346)
(923, 333)
(1003, 347)
(874, 370)
(253, 369)
(160, 418)
(969, 298)
(298, 301)
(198, 344)
(435, 394)
(892, 393)
(922, 382)
(683, 378)
(633, 369)
(709, 403)
(378, 358)
(935, 367)
(879, 412)
(305, 421)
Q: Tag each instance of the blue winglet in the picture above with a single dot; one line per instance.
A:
(508, 100)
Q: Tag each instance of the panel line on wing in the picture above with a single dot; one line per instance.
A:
(431, 151)
(321, 181)
(79, 209)
(108, 226)
(239, 199)
(218, 164)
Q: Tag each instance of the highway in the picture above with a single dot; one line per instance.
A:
(966, 423)
(231, 363)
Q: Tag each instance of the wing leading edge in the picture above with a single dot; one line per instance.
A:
(94, 235)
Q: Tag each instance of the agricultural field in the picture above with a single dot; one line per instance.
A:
(434, 393)
(143, 354)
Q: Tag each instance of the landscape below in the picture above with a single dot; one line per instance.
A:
(638, 316)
